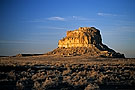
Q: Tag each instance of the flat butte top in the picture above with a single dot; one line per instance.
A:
(84, 41)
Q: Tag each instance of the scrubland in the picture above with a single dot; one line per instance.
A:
(66, 73)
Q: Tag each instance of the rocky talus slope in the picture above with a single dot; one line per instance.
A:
(84, 41)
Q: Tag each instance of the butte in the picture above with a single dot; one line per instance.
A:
(84, 41)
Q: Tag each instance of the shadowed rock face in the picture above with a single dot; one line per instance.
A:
(84, 41)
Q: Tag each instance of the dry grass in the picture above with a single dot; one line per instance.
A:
(66, 73)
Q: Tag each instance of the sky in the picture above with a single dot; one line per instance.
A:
(35, 26)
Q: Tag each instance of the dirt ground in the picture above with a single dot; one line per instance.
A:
(66, 73)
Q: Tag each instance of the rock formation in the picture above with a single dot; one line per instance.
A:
(84, 41)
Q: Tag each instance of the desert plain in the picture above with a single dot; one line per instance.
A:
(53, 72)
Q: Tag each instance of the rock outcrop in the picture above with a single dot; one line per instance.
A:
(84, 41)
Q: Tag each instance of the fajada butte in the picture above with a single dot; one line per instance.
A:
(84, 41)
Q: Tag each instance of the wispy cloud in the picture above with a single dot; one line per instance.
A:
(38, 20)
(68, 18)
(49, 18)
(45, 34)
(56, 18)
(106, 14)
(46, 27)
(79, 18)
(15, 42)
(127, 29)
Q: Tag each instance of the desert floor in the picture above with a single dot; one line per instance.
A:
(66, 73)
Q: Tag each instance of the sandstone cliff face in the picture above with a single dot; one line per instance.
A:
(84, 41)
(83, 37)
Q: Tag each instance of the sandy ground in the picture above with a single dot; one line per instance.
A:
(66, 73)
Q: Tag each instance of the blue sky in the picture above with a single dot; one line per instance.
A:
(35, 26)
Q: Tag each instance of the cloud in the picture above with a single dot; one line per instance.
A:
(15, 42)
(38, 20)
(68, 18)
(56, 18)
(106, 14)
(46, 19)
(46, 33)
(45, 27)
(127, 29)
(79, 18)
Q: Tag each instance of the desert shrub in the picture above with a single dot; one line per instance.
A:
(82, 73)
(92, 87)
(67, 72)
(12, 75)
(67, 79)
(49, 83)
(37, 85)
(39, 77)
(19, 85)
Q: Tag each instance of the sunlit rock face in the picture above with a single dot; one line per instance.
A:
(84, 41)
(82, 37)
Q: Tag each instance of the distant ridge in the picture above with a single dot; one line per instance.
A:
(24, 55)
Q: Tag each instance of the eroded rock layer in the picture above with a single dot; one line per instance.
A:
(83, 37)
(84, 41)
